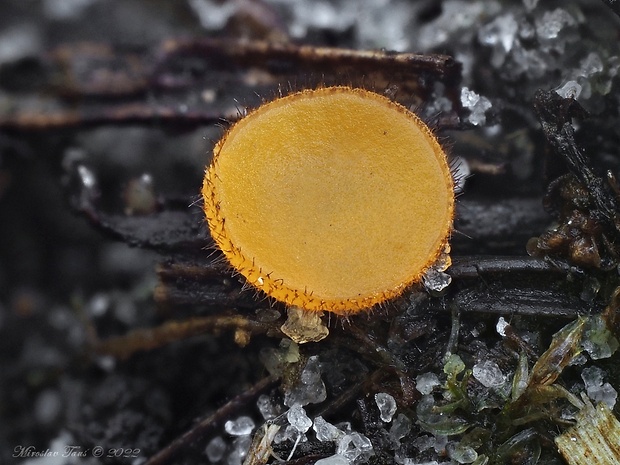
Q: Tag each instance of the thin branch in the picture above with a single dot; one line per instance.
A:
(208, 424)
(151, 338)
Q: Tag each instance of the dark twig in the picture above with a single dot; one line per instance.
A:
(152, 338)
(284, 56)
(479, 266)
(108, 86)
(555, 115)
(116, 114)
(208, 424)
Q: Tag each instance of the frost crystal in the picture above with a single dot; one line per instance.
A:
(211, 14)
(215, 449)
(489, 374)
(502, 30)
(501, 326)
(439, 104)
(456, 17)
(275, 360)
(99, 305)
(401, 425)
(67, 9)
(290, 433)
(298, 419)
(424, 442)
(469, 98)
(409, 461)
(552, 22)
(591, 64)
(579, 360)
(476, 104)
(48, 406)
(571, 89)
(311, 389)
(425, 382)
(267, 409)
(440, 443)
(606, 394)
(326, 432)
(242, 426)
(436, 281)
(596, 389)
(599, 342)
(461, 453)
(241, 445)
(532, 63)
(333, 460)
(344, 426)
(312, 372)
(387, 406)
(592, 377)
(353, 446)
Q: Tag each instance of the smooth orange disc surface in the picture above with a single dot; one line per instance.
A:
(330, 199)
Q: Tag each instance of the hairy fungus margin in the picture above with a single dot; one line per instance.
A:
(332, 199)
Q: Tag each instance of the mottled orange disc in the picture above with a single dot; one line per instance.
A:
(330, 199)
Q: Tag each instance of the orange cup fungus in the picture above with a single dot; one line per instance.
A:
(330, 199)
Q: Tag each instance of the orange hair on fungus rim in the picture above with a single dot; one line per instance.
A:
(332, 199)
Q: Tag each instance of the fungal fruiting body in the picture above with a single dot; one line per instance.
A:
(332, 199)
